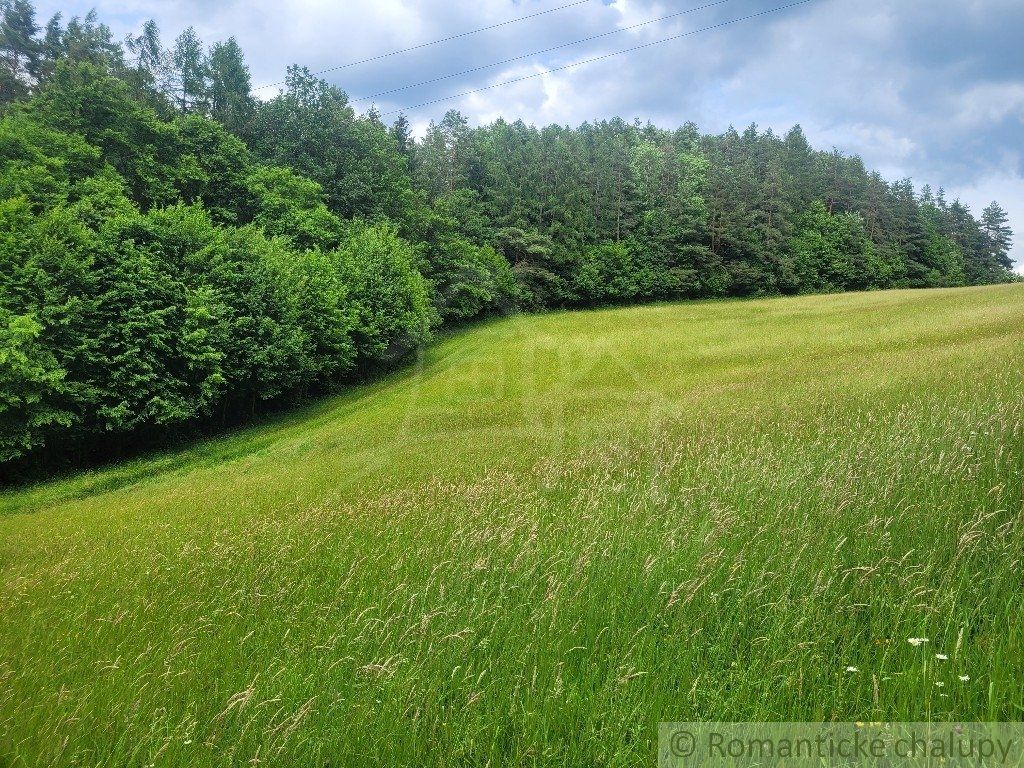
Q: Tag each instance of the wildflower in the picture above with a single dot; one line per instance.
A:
(939, 684)
(917, 642)
(852, 669)
(964, 678)
(941, 656)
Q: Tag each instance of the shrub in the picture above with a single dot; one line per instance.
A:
(389, 296)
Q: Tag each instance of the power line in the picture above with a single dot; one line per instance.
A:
(542, 51)
(597, 58)
(419, 46)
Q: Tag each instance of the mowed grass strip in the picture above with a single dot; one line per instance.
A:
(544, 537)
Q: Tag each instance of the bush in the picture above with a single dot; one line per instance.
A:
(326, 316)
(40, 164)
(606, 274)
(284, 203)
(466, 280)
(389, 296)
(158, 359)
(833, 253)
(30, 387)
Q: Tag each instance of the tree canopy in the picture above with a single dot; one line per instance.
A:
(176, 255)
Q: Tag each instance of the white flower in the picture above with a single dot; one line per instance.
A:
(939, 684)
(852, 669)
(964, 678)
(941, 656)
(917, 641)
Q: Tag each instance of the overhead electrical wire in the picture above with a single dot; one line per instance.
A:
(542, 51)
(430, 43)
(594, 59)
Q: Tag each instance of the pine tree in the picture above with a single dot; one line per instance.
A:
(87, 40)
(19, 50)
(230, 85)
(191, 70)
(966, 234)
(152, 63)
(911, 234)
(401, 130)
(51, 46)
(994, 224)
(443, 154)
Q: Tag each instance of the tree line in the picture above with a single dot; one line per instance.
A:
(176, 255)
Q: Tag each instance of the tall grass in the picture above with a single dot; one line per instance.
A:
(549, 535)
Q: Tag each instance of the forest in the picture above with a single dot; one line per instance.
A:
(177, 255)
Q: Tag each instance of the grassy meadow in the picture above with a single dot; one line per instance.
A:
(541, 539)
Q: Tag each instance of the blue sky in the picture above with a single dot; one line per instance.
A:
(931, 89)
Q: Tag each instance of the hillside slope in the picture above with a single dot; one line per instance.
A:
(546, 536)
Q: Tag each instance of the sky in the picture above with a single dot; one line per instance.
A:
(930, 89)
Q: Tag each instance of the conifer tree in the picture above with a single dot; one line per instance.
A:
(20, 51)
(999, 236)
(229, 86)
(191, 73)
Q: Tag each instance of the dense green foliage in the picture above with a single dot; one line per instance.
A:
(552, 533)
(178, 254)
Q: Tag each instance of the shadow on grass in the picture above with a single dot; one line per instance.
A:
(243, 441)
(263, 432)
